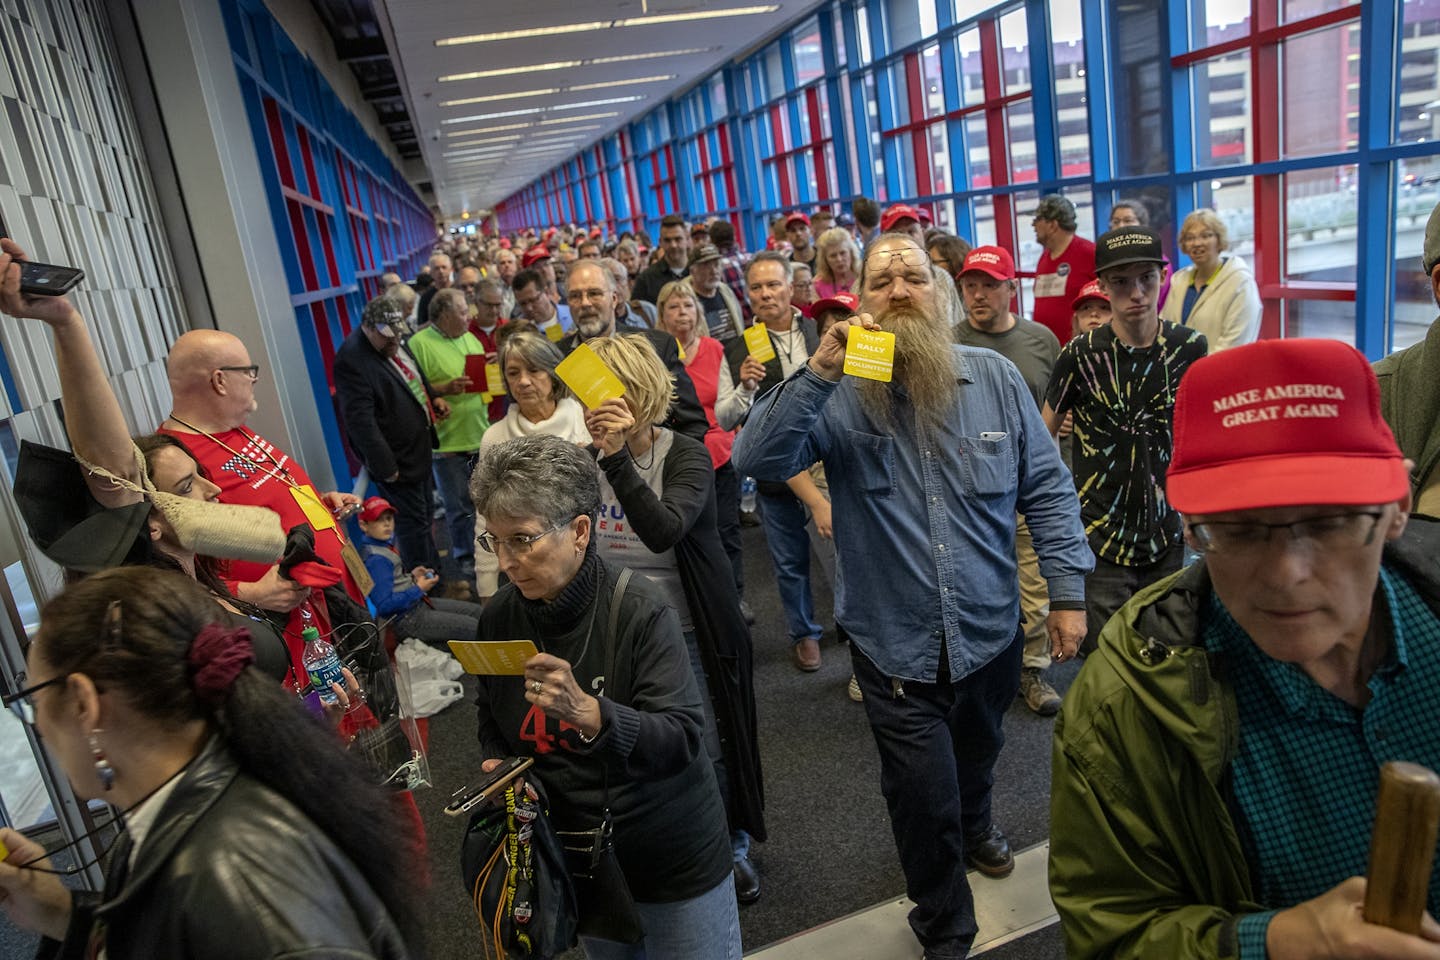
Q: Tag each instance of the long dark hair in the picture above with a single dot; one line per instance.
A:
(209, 571)
(268, 732)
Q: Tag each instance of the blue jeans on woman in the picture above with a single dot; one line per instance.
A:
(705, 927)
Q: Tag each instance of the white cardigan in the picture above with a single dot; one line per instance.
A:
(1227, 310)
(567, 422)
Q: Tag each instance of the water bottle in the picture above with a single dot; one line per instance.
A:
(747, 495)
(321, 665)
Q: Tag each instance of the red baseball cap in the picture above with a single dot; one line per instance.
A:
(534, 255)
(895, 213)
(1282, 423)
(374, 508)
(1091, 291)
(994, 262)
(844, 300)
(596, 233)
(505, 243)
(797, 215)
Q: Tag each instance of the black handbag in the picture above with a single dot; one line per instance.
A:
(514, 868)
(606, 906)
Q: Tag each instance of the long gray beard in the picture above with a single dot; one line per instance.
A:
(923, 365)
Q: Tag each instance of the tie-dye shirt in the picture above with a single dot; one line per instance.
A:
(1124, 403)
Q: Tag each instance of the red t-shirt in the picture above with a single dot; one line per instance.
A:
(704, 372)
(248, 476)
(1057, 283)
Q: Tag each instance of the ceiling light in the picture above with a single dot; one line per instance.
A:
(466, 133)
(589, 116)
(500, 96)
(557, 106)
(476, 143)
(571, 64)
(620, 83)
(593, 25)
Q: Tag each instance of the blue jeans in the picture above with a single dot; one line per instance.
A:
(938, 745)
(706, 927)
(784, 517)
(453, 472)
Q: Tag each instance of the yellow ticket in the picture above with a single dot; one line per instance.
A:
(870, 353)
(757, 338)
(555, 332)
(588, 377)
(493, 658)
(316, 512)
(494, 385)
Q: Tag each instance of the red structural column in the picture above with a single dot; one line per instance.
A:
(919, 135)
(1269, 199)
(817, 143)
(995, 131)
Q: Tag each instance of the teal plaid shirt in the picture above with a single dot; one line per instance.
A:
(1305, 777)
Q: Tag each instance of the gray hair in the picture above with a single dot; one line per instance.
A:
(618, 274)
(537, 353)
(771, 256)
(491, 285)
(451, 298)
(537, 477)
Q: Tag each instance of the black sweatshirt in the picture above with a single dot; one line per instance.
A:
(670, 828)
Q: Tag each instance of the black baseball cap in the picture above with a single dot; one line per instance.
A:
(1127, 245)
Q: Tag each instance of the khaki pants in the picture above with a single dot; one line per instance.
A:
(1034, 598)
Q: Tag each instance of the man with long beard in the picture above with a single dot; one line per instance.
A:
(929, 471)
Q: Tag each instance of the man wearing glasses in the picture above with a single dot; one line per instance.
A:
(1216, 762)
(928, 471)
(1120, 380)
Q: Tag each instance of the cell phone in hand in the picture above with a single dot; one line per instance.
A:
(45, 279)
(488, 787)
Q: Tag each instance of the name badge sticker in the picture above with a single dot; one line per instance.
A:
(870, 353)
(757, 339)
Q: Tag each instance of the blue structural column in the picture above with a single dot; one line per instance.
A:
(1375, 237)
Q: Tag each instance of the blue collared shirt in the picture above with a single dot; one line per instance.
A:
(925, 525)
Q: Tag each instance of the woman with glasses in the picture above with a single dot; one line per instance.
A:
(540, 404)
(1216, 294)
(230, 844)
(623, 745)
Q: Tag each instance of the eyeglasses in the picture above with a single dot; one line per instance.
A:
(885, 259)
(252, 371)
(519, 545)
(1337, 531)
(20, 704)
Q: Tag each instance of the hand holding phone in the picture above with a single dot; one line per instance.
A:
(488, 786)
(42, 279)
(15, 299)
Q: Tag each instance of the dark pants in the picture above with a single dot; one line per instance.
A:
(1110, 586)
(938, 745)
(727, 518)
(413, 534)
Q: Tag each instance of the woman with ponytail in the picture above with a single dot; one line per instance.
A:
(233, 843)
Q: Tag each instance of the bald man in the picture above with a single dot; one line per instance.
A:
(212, 380)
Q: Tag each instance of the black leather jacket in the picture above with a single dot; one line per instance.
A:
(232, 870)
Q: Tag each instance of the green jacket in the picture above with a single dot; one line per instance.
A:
(1410, 402)
(1145, 857)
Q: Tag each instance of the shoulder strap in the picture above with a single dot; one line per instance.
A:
(621, 583)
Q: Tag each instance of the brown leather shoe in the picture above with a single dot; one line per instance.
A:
(806, 654)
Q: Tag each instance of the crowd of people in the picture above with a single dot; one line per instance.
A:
(1236, 537)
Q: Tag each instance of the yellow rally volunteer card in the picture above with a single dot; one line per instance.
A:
(757, 338)
(555, 332)
(494, 386)
(870, 353)
(316, 512)
(493, 658)
(589, 378)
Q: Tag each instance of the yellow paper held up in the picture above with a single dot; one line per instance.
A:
(757, 338)
(870, 353)
(588, 377)
(493, 658)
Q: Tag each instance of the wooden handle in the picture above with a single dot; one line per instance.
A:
(1402, 846)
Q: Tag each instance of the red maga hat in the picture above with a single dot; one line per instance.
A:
(797, 215)
(534, 255)
(1282, 423)
(1091, 291)
(374, 508)
(844, 300)
(994, 262)
(897, 212)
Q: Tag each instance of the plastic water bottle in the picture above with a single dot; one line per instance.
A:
(747, 495)
(321, 665)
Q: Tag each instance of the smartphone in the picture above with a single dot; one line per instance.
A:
(493, 782)
(45, 279)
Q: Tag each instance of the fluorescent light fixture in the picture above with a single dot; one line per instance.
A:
(558, 106)
(572, 64)
(476, 143)
(593, 25)
(500, 96)
(555, 121)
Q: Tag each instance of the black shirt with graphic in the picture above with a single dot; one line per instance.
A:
(1124, 404)
(717, 316)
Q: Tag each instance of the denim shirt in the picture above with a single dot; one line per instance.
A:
(925, 526)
